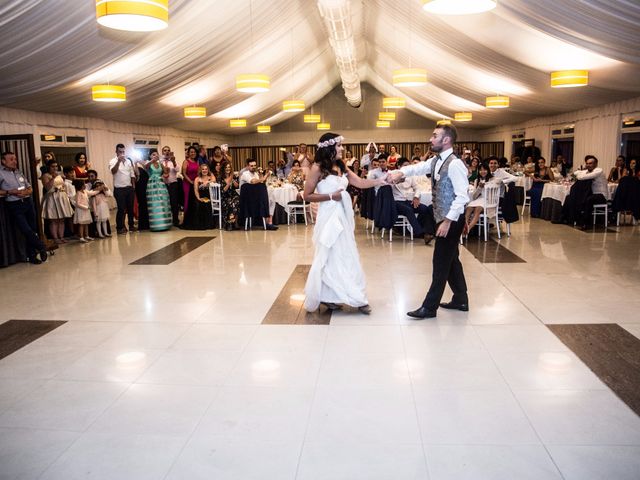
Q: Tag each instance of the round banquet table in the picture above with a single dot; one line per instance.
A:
(279, 197)
(553, 197)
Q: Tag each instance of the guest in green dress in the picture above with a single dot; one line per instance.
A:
(158, 196)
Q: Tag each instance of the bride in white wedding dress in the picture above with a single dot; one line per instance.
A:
(336, 277)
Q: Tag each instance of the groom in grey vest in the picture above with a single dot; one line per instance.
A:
(450, 195)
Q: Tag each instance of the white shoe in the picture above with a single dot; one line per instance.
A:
(83, 240)
(90, 238)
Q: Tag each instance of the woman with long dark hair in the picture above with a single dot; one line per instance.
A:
(336, 276)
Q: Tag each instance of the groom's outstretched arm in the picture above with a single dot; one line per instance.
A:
(419, 169)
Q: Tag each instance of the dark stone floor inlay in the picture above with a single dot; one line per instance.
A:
(15, 334)
(491, 251)
(611, 352)
(173, 251)
(288, 308)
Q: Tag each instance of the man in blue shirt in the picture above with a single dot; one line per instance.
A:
(17, 189)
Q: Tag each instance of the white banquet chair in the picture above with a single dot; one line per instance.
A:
(216, 201)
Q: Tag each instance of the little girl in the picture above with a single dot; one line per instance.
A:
(82, 215)
(101, 207)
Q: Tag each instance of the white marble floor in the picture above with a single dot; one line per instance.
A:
(165, 372)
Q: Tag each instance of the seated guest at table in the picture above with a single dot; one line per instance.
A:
(393, 158)
(500, 174)
(214, 167)
(559, 166)
(56, 207)
(476, 205)
(82, 165)
(599, 188)
(17, 192)
(472, 167)
(230, 197)
(200, 216)
(516, 165)
(619, 171)
(296, 177)
(529, 166)
(542, 175)
(273, 180)
(406, 195)
(372, 153)
(633, 168)
(379, 170)
(251, 176)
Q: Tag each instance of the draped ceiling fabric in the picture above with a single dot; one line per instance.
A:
(54, 50)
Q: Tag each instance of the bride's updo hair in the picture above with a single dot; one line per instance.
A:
(325, 156)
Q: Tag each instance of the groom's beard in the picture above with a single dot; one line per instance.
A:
(436, 148)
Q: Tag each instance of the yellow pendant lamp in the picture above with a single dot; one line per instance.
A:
(393, 102)
(463, 117)
(312, 118)
(253, 83)
(409, 77)
(444, 121)
(238, 122)
(498, 101)
(383, 124)
(195, 112)
(323, 126)
(293, 106)
(108, 93)
(264, 128)
(569, 78)
(132, 15)
(387, 116)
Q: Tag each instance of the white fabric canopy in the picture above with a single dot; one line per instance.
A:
(54, 50)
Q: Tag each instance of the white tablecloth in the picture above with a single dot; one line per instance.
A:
(524, 182)
(557, 191)
(283, 195)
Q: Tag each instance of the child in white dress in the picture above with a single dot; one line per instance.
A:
(100, 207)
(82, 215)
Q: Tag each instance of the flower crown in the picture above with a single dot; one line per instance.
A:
(331, 141)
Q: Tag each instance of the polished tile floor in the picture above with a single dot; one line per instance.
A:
(167, 372)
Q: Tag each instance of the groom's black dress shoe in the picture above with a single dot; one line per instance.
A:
(422, 312)
(463, 307)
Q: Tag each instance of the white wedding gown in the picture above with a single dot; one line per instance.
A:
(336, 275)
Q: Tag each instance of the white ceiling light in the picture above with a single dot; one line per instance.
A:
(458, 7)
